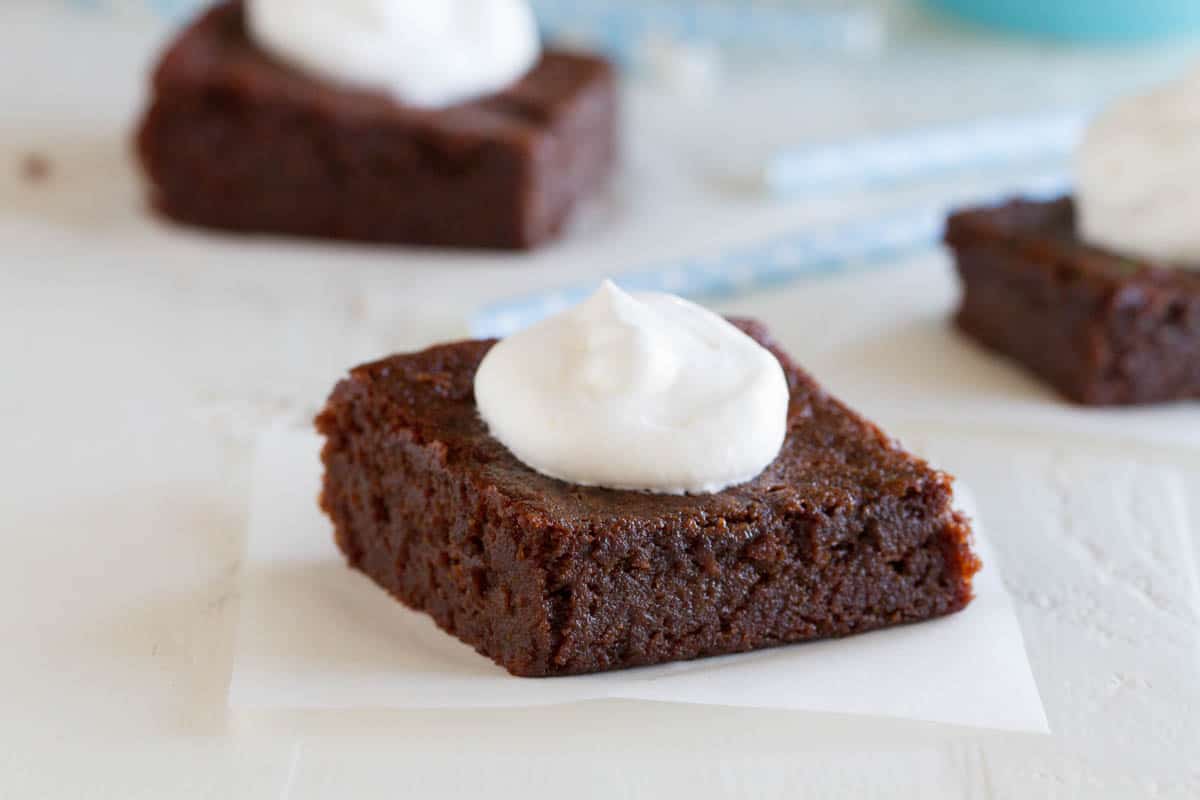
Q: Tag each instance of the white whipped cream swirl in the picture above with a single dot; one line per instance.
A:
(1138, 176)
(425, 53)
(644, 391)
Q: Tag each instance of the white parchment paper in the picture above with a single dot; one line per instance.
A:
(314, 634)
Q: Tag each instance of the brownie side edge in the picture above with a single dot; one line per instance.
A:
(678, 591)
(575, 159)
(431, 536)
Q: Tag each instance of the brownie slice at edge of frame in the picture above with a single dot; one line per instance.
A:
(1101, 328)
(547, 578)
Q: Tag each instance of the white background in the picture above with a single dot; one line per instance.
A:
(139, 361)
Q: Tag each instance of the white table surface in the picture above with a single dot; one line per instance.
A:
(140, 360)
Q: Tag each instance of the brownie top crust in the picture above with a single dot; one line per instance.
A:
(833, 462)
(1047, 233)
(217, 51)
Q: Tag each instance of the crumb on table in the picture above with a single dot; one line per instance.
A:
(35, 168)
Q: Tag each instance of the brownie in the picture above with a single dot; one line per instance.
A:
(1101, 328)
(234, 139)
(843, 533)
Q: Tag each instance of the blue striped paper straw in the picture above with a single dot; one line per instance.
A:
(805, 253)
(166, 9)
(619, 26)
(918, 155)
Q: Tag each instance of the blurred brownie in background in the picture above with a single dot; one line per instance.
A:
(234, 139)
(1101, 328)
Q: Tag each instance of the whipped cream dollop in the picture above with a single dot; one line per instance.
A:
(426, 53)
(1138, 175)
(638, 391)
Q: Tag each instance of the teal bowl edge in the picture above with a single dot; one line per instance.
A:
(1101, 21)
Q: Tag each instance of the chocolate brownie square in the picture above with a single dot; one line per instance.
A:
(234, 139)
(844, 533)
(1101, 328)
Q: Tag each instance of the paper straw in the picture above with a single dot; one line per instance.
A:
(168, 9)
(917, 155)
(746, 268)
(619, 26)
